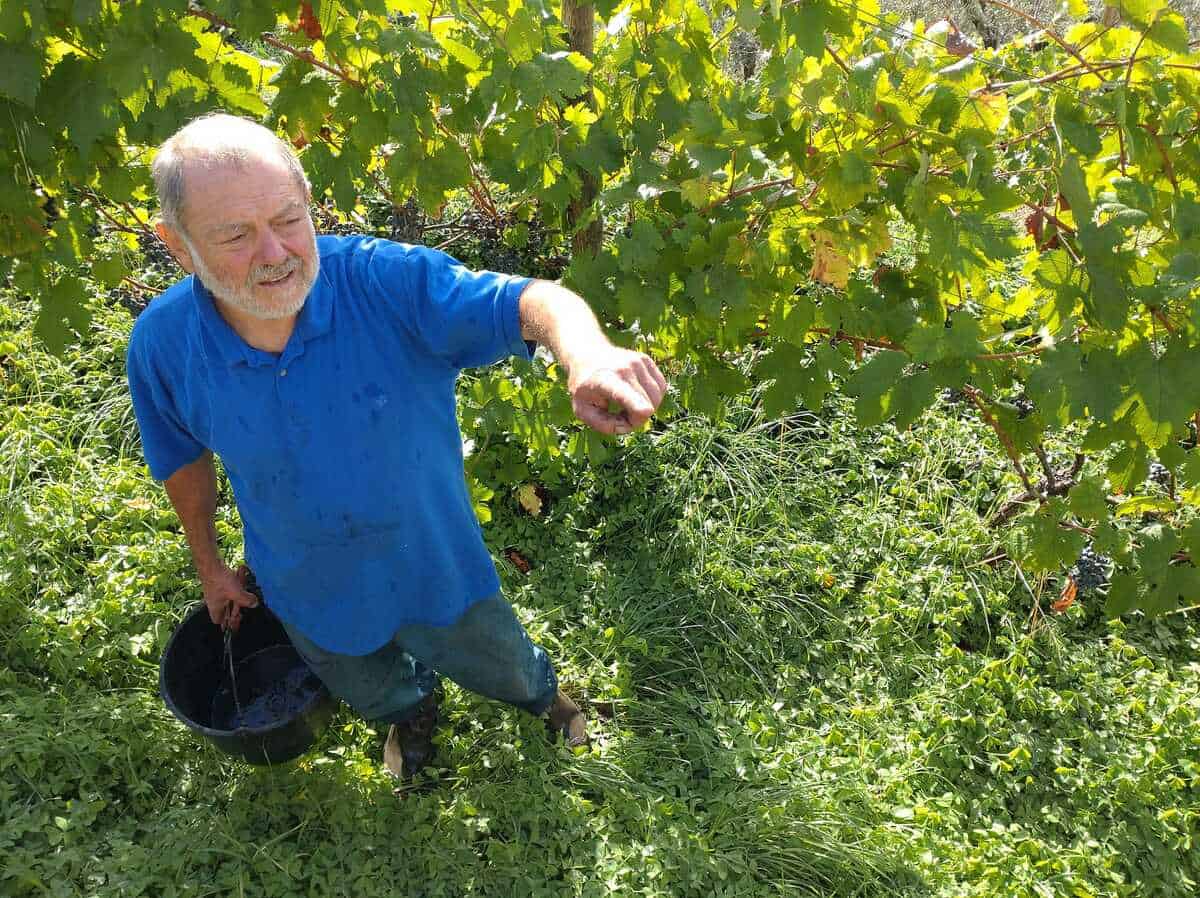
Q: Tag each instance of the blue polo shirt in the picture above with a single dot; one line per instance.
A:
(344, 450)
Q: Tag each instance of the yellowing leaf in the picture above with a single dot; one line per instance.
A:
(991, 110)
(528, 496)
(696, 190)
(830, 265)
(1144, 505)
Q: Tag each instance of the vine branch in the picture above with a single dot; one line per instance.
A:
(1010, 448)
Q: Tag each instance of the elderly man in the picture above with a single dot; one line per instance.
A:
(322, 372)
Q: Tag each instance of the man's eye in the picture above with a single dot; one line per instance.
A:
(235, 238)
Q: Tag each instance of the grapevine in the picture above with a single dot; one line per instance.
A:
(862, 204)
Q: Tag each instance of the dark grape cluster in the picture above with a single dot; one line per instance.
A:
(1091, 571)
(1160, 474)
(483, 246)
(155, 255)
(407, 222)
(1024, 406)
(133, 303)
(953, 397)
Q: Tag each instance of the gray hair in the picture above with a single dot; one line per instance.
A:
(213, 140)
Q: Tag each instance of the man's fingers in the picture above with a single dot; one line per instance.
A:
(246, 599)
(629, 396)
(658, 377)
(650, 386)
(600, 419)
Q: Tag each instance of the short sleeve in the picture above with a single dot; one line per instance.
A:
(166, 443)
(468, 318)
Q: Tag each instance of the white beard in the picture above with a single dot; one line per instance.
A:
(243, 297)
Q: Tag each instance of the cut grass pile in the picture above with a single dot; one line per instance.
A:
(804, 679)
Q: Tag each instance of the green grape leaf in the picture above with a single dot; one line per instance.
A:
(911, 397)
(302, 101)
(1115, 542)
(1124, 594)
(1160, 389)
(1072, 126)
(872, 384)
(1073, 185)
(1025, 432)
(1039, 542)
(70, 98)
(447, 169)
(1088, 500)
(640, 250)
(1190, 537)
(1158, 544)
(110, 269)
(714, 380)
(1140, 11)
(792, 317)
(565, 74)
(798, 375)
(1128, 467)
(521, 37)
(641, 302)
(1182, 275)
(20, 72)
(1169, 31)
(1058, 384)
(63, 314)
(849, 181)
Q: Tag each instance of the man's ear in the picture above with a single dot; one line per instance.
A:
(175, 243)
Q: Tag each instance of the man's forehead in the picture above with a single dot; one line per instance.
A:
(234, 191)
(232, 220)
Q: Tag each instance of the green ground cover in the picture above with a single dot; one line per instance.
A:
(805, 677)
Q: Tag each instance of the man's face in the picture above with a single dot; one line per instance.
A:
(249, 237)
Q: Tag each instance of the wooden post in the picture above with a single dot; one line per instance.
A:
(580, 19)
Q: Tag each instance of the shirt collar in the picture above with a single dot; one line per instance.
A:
(314, 320)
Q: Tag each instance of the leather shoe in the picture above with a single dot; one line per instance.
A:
(565, 717)
(409, 745)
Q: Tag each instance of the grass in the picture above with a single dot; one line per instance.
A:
(804, 677)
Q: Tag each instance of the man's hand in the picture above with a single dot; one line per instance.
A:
(614, 378)
(226, 595)
(613, 390)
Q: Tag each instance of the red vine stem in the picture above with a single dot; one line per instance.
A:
(841, 65)
(1050, 32)
(1005, 440)
(1072, 71)
(138, 285)
(271, 40)
(1168, 167)
(1015, 354)
(742, 191)
(1161, 316)
(857, 340)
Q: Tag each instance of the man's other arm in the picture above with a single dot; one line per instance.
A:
(192, 489)
(598, 373)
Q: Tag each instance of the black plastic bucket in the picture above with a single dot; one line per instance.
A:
(194, 680)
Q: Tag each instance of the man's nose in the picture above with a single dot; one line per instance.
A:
(271, 250)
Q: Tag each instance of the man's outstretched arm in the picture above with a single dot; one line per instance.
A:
(598, 373)
(192, 489)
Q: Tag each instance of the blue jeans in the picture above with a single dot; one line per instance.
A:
(486, 651)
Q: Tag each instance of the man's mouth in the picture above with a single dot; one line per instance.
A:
(277, 281)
